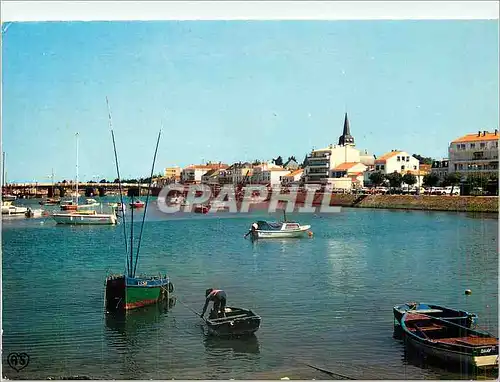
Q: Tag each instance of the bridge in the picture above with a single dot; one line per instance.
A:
(49, 190)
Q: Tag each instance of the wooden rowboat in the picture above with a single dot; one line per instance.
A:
(450, 342)
(460, 317)
(237, 322)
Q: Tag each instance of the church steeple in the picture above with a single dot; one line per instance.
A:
(346, 138)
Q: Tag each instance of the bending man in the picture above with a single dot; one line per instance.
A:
(218, 297)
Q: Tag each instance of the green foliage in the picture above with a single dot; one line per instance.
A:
(377, 178)
(431, 180)
(395, 179)
(423, 160)
(409, 179)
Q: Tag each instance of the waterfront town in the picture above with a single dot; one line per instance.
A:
(471, 168)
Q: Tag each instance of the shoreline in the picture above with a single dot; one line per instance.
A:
(413, 202)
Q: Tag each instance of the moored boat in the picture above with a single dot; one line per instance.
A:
(84, 218)
(9, 209)
(50, 202)
(89, 204)
(449, 341)
(69, 205)
(237, 322)
(137, 204)
(460, 317)
(127, 291)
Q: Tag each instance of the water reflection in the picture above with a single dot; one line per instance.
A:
(436, 366)
(138, 320)
(248, 345)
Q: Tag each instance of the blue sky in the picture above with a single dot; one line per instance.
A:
(235, 90)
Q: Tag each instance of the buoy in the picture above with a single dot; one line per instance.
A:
(468, 292)
(310, 233)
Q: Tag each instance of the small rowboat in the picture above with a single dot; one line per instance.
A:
(262, 229)
(238, 322)
(460, 317)
(450, 342)
(137, 204)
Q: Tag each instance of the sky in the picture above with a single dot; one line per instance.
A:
(237, 90)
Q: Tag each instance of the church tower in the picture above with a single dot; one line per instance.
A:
(346, 139)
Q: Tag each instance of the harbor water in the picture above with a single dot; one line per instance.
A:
(325, 300)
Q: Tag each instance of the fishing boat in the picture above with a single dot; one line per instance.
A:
(284, 229)
(461, 317)
(127, 291)
(82, 214)
(36, 213)
(450, 342)
(69, 205)
(89, 204)
(9, 209)
(237, 322)
(117, 207)
(84, 218)
(49, 202)
(137, 204)
(9, 198)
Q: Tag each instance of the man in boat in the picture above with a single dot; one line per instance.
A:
(218, 297)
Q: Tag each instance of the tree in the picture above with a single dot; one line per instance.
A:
(103, 181)
(395, 179)
(423, 160)
(377, 178)
(431, 180)
(278, 161)
(409, 179)
(256, 162)
(304, 163)
(452, 179)
(292, 158)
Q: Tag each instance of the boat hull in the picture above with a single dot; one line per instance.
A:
(458, 345)
(76, 219)
(127, 293)
(264, 234)
(238, 322)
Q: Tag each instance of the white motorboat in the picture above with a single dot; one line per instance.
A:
(89, 204)
(263, 229)
(9, 209)
(9, 198)
(117, 207)
(36, 213)
(84, 218)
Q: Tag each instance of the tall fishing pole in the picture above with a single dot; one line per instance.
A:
(147, 199)
(119, 185)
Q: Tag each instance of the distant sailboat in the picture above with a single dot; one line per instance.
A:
(84, 216)
(127, 291)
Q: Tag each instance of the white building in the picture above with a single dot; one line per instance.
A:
(440, 168)
(396, 161)
(474, 154)
(267, 173)
(194, 173)
(321, 164)
(348, 175)
(293, 178)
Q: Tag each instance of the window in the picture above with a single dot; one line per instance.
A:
(377, 167)
(462, 146)
(460, 166)
(472, 145)
(402, 167)
(414, 167)
(482, 145)
(407, 159)
(456, 167)
(382, 166)
(398, 158)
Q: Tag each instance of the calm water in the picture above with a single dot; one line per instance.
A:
(326, 300)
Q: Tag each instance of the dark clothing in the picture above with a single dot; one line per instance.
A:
(218, 297)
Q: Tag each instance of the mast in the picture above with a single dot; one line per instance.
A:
(147, 199)
(76, 169)
(119, 187)
(3, 170)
